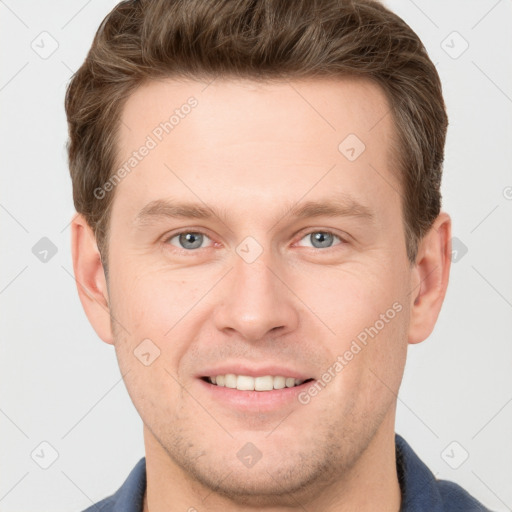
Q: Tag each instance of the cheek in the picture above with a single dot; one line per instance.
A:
(151, 303)
(148, 349)
(368, 312)
(369, 372)
(352, 297)
(159, 314)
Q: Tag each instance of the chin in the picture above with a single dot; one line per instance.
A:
(282, 476)
(264, 486)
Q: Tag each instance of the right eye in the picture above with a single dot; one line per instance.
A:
(188, 240)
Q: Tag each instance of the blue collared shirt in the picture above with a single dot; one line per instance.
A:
(421, 492)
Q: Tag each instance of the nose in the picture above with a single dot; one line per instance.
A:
(256, 302)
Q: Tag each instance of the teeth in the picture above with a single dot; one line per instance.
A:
(246, 383)
(264, 383)
(290, 382)
(279, 382)
(230, 380)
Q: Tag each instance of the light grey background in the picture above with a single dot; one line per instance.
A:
(61, 385)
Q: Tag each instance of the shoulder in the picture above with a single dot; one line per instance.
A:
(457, 499)
(129, 497)
(105, 505)
(422, 492)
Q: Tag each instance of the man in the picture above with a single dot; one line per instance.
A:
(259, 235)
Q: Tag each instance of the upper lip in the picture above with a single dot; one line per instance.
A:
(254, 371)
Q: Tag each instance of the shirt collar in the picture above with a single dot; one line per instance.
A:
(130, 496)
(417, 483)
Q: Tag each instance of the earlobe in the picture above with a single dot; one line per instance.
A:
(90, 278)
(430, 277)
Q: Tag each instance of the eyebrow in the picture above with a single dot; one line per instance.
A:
(342, 206)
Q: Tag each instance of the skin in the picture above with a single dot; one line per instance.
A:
(251, 151)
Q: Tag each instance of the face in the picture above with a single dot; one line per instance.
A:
(258, 243)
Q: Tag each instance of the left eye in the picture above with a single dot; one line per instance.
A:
(321, 239)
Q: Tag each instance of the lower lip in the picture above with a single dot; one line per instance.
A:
(255, 401)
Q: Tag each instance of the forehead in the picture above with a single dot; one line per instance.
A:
(329, 106)
(258, 141)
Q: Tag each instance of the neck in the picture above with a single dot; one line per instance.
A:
(371, 484)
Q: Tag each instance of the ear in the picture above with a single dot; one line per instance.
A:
(430, 278)
(90, 278)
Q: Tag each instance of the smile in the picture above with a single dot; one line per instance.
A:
(248, 383)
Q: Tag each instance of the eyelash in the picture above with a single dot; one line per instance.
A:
(198, 231)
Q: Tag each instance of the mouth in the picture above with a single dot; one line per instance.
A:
(263, 383)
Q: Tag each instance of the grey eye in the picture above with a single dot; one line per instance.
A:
(321, 239)
(188, 240)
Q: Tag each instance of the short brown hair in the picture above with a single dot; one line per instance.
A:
(257, 39)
